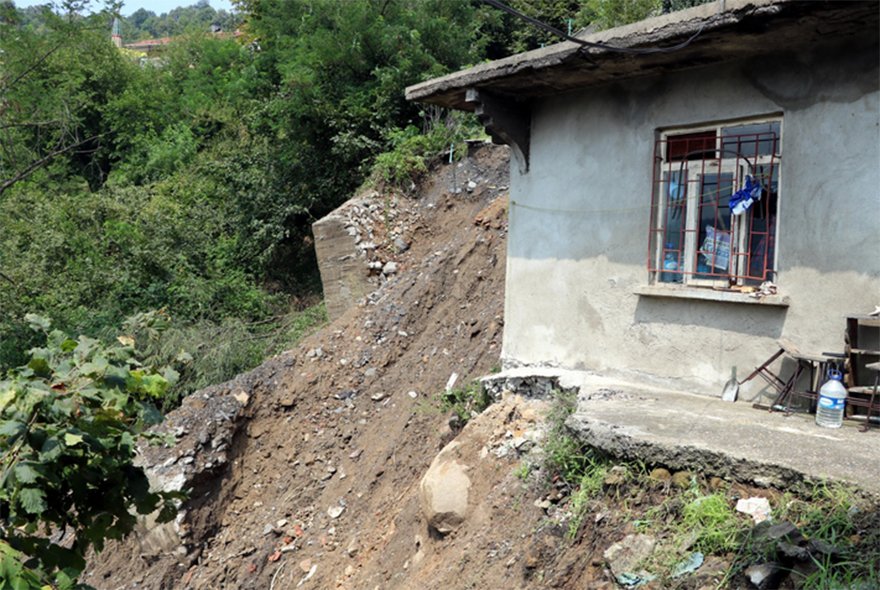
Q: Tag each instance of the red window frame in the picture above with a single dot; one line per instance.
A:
(693, 238)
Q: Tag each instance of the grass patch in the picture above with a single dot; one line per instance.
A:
(464, 402)
(703, 518)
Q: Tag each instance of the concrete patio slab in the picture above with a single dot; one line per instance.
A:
(731, 440)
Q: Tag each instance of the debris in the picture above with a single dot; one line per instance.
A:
(775, 532)
(335, 511)
(450, 383)
(413, 394)
(689, 565)
(377, 397)
(767, 288)
(625, 557)
(758, 508)
(634, 580)
(765, 575)
(352, 547)
(308, 576)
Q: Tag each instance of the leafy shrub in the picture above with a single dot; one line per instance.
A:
(206, 353)
(411, 150)
(69, 423)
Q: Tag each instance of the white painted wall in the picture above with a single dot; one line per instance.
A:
(579, 222)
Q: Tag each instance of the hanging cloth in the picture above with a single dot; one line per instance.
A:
(743, 199)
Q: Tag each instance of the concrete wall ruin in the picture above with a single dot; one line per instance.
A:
(344, 276)
(355, 249)
(579, 221)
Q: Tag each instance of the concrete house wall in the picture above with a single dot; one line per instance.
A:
(579, 221)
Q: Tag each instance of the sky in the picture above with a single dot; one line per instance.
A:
(157, 6)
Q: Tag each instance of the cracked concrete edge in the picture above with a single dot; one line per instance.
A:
(659, 29)
(608, 438)
(611, 440)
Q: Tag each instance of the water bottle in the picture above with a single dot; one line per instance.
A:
(832, 400)
(670, 263)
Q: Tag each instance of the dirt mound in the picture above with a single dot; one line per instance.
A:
(326, 444)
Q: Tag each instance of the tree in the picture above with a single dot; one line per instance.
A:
(69, 424)
(53, 79)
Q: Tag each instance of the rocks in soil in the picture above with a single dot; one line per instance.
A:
(616, 476)
(625, 557)
(780, 549)
(660, 475)
(758, 508)
(443, 492)
(682, 479)
(765, 575)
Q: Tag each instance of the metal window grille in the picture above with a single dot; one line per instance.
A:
(694, 237)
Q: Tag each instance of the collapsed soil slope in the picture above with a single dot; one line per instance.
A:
(345, 421)
(306, 472)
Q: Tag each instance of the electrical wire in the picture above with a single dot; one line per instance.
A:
(589, 44)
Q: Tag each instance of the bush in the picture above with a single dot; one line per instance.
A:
(69, 424)
(412, 151)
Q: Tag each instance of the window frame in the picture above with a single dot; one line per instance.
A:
(719, 163)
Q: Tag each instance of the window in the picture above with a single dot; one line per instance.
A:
(714, 204)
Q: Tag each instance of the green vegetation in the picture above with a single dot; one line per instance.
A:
(199, 17)
(69, 422)
(174, 197)
(464, 402)
(698, 517)
(565, 456)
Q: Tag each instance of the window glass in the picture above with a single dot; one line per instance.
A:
(749, 141)
(691, 146)
(674, 219)
(698, 237)
(762, 227)
(713, 254)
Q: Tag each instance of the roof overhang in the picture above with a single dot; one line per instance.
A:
(725, 30)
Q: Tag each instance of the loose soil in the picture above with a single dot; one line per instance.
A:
(319, 485)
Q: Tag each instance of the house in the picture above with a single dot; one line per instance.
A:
(668, 170)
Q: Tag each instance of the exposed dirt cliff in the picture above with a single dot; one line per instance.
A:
(327, 442)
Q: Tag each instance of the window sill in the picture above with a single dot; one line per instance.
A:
(706, 294)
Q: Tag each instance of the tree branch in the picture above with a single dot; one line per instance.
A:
(34, 166)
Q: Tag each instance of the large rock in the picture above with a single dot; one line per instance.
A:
(444, 492)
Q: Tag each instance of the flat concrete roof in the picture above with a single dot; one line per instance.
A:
(725, 30)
